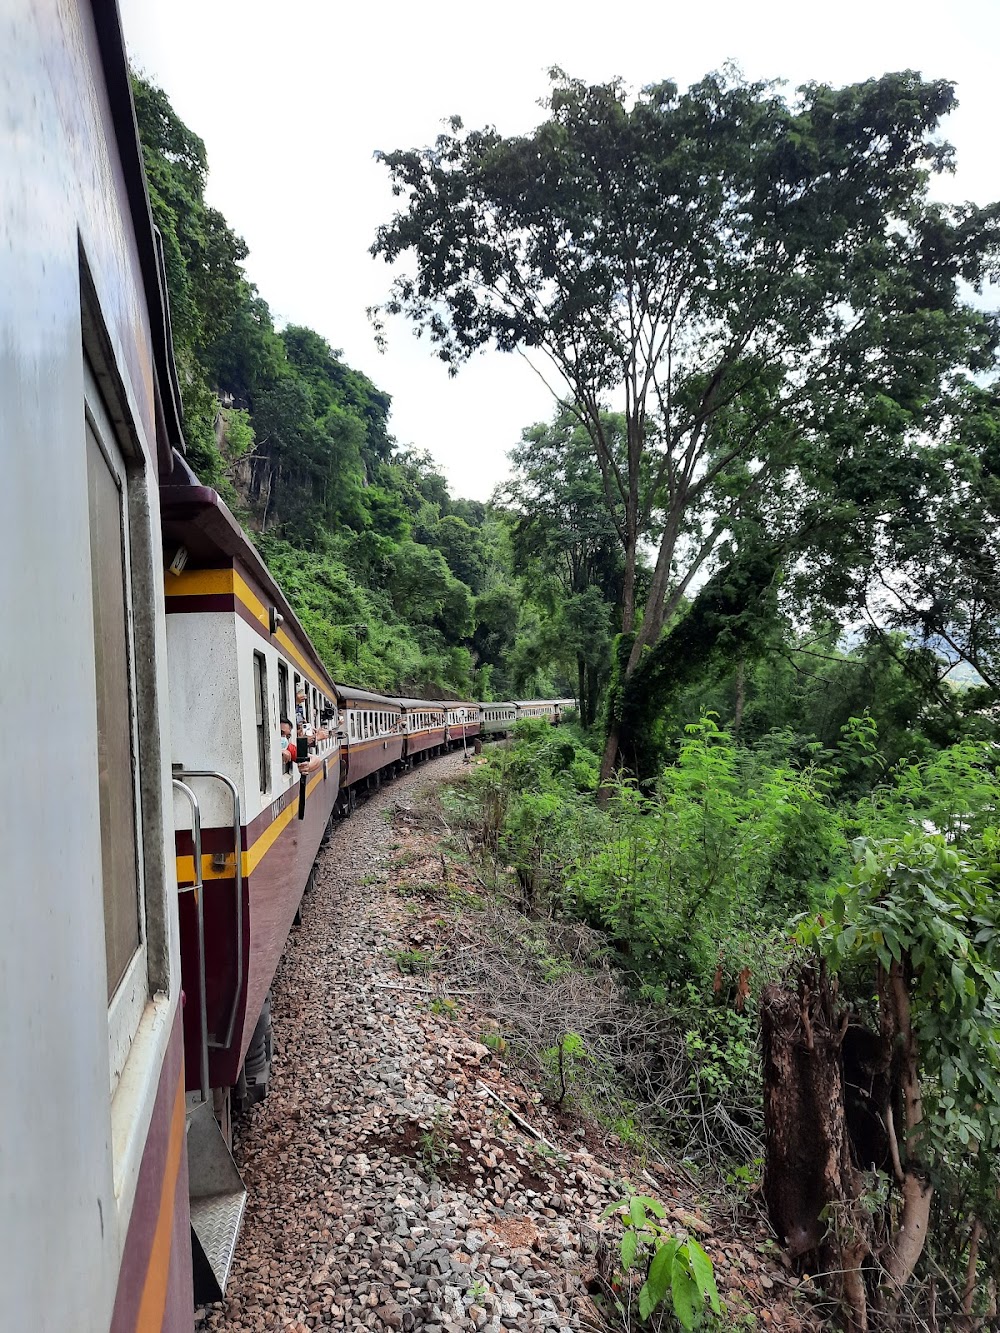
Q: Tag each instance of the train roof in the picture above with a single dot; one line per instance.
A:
(408, 704)
(348, 694)
(114, 62)
(197, 518)
(535, 703)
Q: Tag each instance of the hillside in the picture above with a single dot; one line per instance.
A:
(360, 532)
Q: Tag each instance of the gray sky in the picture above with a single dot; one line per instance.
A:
(293, 98)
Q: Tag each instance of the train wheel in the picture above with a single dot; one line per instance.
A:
(255, 1077)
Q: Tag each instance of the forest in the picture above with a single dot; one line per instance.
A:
(757, 542)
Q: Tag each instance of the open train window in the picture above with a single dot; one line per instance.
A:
(283, 692)
(260, 720)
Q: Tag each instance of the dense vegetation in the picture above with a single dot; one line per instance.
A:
(400, 585)
(716, 882)
(757, 541)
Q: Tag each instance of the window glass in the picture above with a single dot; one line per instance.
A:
(115, 721)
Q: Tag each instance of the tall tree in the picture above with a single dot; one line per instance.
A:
(563, 529)
(761, 281)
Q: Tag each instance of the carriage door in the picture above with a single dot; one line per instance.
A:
(117, 740)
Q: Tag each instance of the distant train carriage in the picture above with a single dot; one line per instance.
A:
(497, 719)
(461, 722)
(424, 728)
(537, 708)
(371, 738)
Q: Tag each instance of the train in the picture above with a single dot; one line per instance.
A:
(159, 832)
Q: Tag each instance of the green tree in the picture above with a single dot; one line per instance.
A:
(562, 529)
(762, 280)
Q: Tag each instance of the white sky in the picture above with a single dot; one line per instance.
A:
(293, 98)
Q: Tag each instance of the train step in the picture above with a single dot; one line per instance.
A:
(218, 1198)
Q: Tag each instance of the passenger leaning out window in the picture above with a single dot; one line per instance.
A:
(287, 744)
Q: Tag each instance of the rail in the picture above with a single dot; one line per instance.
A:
(198, 889)
(238, 839)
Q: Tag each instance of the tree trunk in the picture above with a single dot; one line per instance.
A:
(628, 586)
(906, 1245)
(809, 1179)
(741, 695)
(608, 761)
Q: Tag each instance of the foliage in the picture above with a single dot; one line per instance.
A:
(565, 542)
(761, 279)
(916, 925)
(678, 1272)
(435, 1148)
(359, 532)
(413, 962)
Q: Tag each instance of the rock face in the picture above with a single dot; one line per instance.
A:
(388, 1189)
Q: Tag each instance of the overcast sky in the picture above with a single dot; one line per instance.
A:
(293, 98)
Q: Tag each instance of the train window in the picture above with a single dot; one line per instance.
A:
(115, 739)
(260, 721)
(283, 692)
(117, 761)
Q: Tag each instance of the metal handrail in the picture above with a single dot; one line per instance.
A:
(198, 888)
(238, 837)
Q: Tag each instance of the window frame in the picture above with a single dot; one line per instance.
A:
(283, 679)
(128, 1001)
(258, 682)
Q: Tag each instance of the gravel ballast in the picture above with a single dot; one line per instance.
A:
(387, 1189)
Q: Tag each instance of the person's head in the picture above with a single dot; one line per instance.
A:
(300, 696)
(286, 727)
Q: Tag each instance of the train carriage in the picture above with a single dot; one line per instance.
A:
(497, 719)
(462, 723)
(545, 708)
(239, 663)
(95, 1221)
(424, 728)
(371, 738)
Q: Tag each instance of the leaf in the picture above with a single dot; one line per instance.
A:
(652, 1205)
(637, 1211)
(658, 1279)
(688, 1302)
(630, 1243)
(701, 1267)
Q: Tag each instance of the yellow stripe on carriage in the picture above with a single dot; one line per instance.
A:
(254, 854)
(154, 1291)
(215, 582)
